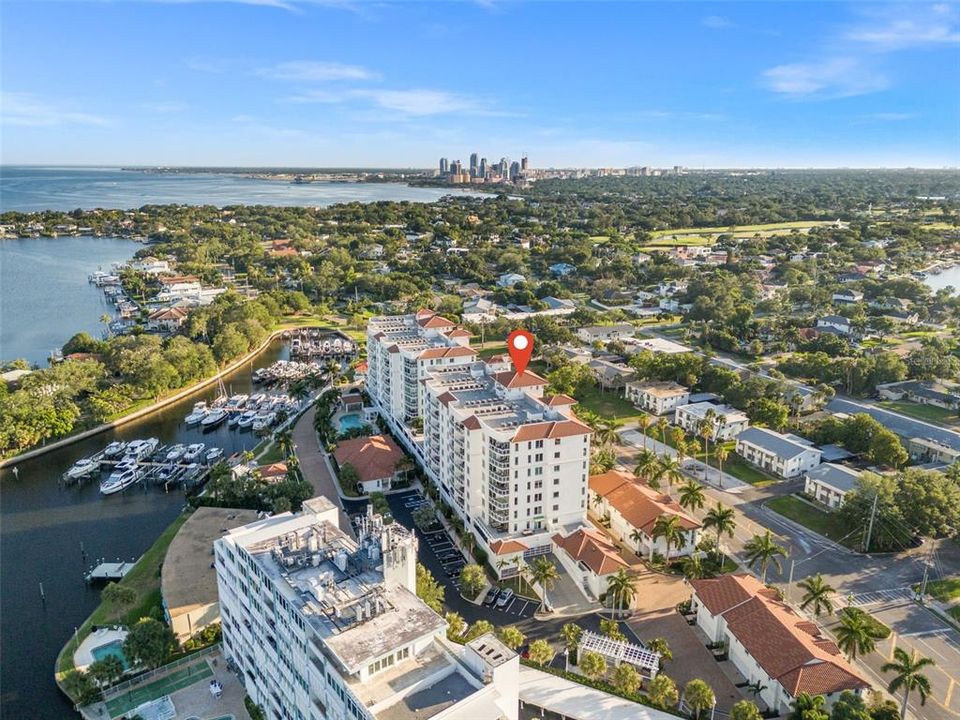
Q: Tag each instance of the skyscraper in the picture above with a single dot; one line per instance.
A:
(524, 163)
(514, 171)
(483, 167)
(444, 166)
(473, 165)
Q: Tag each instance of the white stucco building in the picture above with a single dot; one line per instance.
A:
(785, 456)
(727, 422)
(658, 398)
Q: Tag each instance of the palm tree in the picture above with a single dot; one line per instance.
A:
(692, 496)
(808, 706)
(544, 574)
(607, 431)
(817, 593)
(705, 431)
(662, 426)
(721, 453)
(284, 443)
(669, 470)
(621, 586)
(854, 635)
(678, 436)
(669, 528)
(693, 568)
(646, 462)
(299, 391)
(638, 537)
(643, 422)
(908, 676)
(764, 550)
(723, 520)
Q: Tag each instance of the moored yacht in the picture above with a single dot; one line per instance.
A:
(176, 452)
(119, 480)
(81, 469)
(199, 413)
(213, 418)
(114, 449)
(194, 451)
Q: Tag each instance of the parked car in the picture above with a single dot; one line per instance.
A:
(506, 596)
(491, 597)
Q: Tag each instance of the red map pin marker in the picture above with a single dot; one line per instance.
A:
(520, 346)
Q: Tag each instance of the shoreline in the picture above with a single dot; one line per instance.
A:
(149, 409)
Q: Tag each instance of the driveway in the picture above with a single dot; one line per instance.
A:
(314, 466)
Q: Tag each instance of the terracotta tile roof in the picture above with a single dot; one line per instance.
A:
(447, 398)
(640, 505)
(604, 484)
(512, 379)
(176, 279)
(393, 349)
(506, 547)
(550, 430)
(362, 367)
(373, 458)
(459, 332)
(435, 321)
(424, 313)
(557, 400)
(472, 423)
(273, 470)
(593, 549)
(790, 649)
(171, 313)
(445, 352)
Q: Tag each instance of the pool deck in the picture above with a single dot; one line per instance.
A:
(83, 657)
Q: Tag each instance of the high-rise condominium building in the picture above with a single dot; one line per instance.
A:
(320, 626)
(444, 166)
(474, 165)
(512, 462)
(483, 167)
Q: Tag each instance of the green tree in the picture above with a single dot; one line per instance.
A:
(149, 643)
(592, 664)
(611, 628)
(480, 627)
(723, 520)
(762, 550)
(626, 679)
(455, 624)
(699, 696)
(692, 496)
(571, 633)
(512, 637)
(428, 589)
(544, 574)
(540, 652)
(817, 593)
(908, 676)
(569, 379)
(671, 530)
(885, 449)
(849, 706)
(106, 671)
(620, 589)
(659, 645)
(472, 580)
(118, 597)
(349, 478)
(662, 692)
(809, 707)
(745, 710)
(854, 635)
(929, 502)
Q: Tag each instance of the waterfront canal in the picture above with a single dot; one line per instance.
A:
(42, 527)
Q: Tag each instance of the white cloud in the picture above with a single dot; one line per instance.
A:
(914, 26)
(313, 71)
(27, 110)
(412, 103)
(716, 22)
(836, 77)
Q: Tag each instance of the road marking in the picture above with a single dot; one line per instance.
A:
(875, 597)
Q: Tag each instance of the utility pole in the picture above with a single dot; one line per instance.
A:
(873, 514)
(790, 579)
(923, 584)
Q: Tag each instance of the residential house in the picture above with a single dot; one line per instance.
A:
(479, 310)
(590, 558)
(508, 280)
(610, 375)
(847, 296)
(829, 483)
(375, 459)
(727, 422)
(166, 320)
(562, 269)
(938, 393)
(605, 333)
(770, 645)
(928, 450)
(633, 508)
(836, 323)
(658, 398)
(785, 456)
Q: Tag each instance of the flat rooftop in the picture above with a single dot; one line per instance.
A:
(188, 579)
(431, 701)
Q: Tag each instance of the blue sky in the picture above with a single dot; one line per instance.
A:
(335, 82)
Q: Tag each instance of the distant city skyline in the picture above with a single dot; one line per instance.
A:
(298, 83)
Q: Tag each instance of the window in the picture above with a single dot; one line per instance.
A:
(556, 507)
(539, 444)
(556, 455)
(556, 494)
(557, 441)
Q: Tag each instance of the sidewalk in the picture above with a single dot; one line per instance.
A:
(314, 465)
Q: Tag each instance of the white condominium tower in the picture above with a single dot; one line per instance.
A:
(511, 462)
(320, 626)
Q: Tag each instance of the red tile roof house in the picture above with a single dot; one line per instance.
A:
(635, 506)
(770, 644)
(374, 458)
(590, 557)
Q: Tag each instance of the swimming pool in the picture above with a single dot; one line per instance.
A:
(351, 421)
(114, 648)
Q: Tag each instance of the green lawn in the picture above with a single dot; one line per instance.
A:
(827, 524)
(144, 578)
(671, 241)
(742, 470)
(607, 403)
(945, 590)
(736, 229)
(929, 413)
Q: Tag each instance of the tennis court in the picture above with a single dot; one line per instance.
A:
(167, 685)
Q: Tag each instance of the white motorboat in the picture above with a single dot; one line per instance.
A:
(262, 422)
(176, 452)
(214, 418)
(81, 468)
(236, 402)
(166, 472)
(194, 451)
(234, 419)
(140, 449)
(198, 413)
(213, 455)
(114, 449)
(246, 420)
(119, 481)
